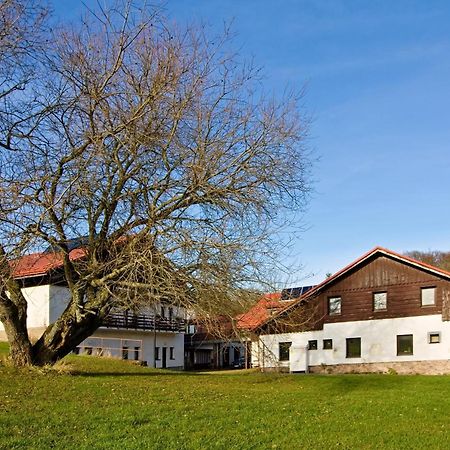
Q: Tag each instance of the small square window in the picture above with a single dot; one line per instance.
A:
(312, 345)
(434, 338)
(353, 347)
(334, 306)
(404, 344)
(379, 301)
(328, 344)
(428, 296)
(284, 349)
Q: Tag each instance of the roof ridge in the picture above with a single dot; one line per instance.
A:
(353, 264)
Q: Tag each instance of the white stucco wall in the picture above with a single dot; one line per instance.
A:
(59, 298)
(47, 302)
(38, 306)
(378, 342)
(105, 338)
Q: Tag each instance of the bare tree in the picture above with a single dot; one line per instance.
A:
(23, 25)
(156, 146)
(435, 258)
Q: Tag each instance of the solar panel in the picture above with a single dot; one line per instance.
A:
(295, 292)
(71, 244)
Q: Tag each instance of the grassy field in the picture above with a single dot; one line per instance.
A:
(93, 403)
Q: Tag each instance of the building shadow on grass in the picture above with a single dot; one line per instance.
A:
(152, 373)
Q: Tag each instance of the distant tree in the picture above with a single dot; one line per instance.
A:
(436, 258)
(152, 144)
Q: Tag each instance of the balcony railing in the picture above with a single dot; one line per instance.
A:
(144, 322)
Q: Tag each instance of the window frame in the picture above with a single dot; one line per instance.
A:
(334, 313)
(347, 347)
(157, 354)
(313, 344)
(171, 353)
(404, 353)
(385, 301)
(284, 351)
(326, 346)
(434, 333)
(427, 288)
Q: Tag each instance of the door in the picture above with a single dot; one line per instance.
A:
(164, 357)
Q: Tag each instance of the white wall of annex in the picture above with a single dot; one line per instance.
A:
(37, 298)
(38, 317)
(116, 339)
(59, 299)
(378, 341)
(168, 340)
(45, 304)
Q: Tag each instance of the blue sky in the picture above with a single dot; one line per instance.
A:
(378, 88)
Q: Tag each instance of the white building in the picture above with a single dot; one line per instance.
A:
(154, 336)
(384, 312)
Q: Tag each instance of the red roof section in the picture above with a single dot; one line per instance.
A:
(41, 263)
(261, 311)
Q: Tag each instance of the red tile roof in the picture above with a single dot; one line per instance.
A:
(41, 263)
(261, 311)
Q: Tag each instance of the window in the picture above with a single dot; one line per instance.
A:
(157, 353)
(428, 296)
(379, 301)
(434, 337)
(284, 350)
(334, 306)
(171, 350)
(328, 344)
(124, 352)
(404, 344)
(312, 345)
(353, 348)
(137, 350)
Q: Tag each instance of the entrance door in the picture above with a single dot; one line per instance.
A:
(164, 357)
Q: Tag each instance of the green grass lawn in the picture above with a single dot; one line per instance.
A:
(93, 403)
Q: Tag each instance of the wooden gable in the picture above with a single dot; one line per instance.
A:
(379, 271)
(401, 281)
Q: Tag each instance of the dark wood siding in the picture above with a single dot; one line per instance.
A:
(402, 283)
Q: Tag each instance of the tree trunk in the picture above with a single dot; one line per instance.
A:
(61, 337)
(19, 343)
(14, 319)
(13, 315)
